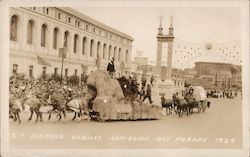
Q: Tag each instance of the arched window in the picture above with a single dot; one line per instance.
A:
(109, 51)
(91, 47)
(119, 55)
(98, 48)
(66, 35)
(55, 34)
(83, 45)
(115, 55)
(47, 11)
(13, 28)
(127, 56)
(104, 51)
(43, 35)
(75, 42)
(30, 32)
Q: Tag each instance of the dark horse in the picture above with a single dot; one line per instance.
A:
(168, 104)
(26, 104)
(59, 105)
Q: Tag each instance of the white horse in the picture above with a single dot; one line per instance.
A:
(80, 107)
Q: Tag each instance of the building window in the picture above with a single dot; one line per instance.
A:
(78, 24)
(83, 45)
(14, 70)
(47, 11)
(13, 28)
(91, 47)
(109, 51)
(119, 55)
(31, 71)
(56, 71)
(59, 15)
(115, 55)
(34, 8)
(30, 32)
(75, 72)
(87, 27)
(43, 35)
(55, 34)
(69, 20)
(75, 43)
(100, 31)
(44, 71)
(104, 51)
(93, 29)
(98, 48)
(127, 56)
(66, 73)
(66, 35)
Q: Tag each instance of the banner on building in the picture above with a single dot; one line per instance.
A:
(42, 61)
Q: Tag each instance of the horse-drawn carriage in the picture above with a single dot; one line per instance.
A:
(195, 98)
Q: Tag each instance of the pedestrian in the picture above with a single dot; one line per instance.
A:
(148, 94)
(111, 67)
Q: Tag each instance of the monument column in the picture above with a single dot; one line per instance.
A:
(159, 47)
(159, 56)
(170, 41)
(169, 60)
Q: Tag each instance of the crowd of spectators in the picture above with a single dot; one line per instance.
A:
(21, 86)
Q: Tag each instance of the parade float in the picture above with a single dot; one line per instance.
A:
(109, 102)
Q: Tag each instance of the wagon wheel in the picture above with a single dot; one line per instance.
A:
(199, 107)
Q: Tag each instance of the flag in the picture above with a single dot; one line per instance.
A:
(41, 61)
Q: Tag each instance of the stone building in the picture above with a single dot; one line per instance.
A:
(38, 33)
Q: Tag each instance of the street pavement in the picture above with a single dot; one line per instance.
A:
(219, 127)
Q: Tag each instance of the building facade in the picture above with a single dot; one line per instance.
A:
(220, 74)
(38, 33)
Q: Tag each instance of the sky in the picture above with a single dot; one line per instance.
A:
(191, 24)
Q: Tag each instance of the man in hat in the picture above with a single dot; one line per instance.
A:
(148, 94)
(111, 67)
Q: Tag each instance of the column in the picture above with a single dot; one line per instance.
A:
(169, 59)
(49, 39)
(159, 55)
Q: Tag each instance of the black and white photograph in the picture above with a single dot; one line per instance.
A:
(123, 78)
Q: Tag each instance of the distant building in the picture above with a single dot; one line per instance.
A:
(141, 61)
(37, 34)
(220, 74)
(186, 73)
